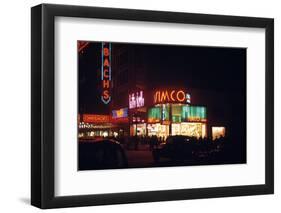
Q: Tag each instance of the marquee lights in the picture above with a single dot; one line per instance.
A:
(106, 72)
(171, 96)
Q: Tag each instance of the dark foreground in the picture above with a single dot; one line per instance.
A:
(110, 154)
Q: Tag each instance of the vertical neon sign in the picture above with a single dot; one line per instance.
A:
(106, 72)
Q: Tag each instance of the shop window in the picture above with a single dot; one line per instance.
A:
(218, 132)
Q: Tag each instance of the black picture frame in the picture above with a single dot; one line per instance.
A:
(43, 111)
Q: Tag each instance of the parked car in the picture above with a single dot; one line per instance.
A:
(177, 148)
(101, 154)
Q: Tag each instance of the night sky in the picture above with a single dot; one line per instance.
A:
(200, 67)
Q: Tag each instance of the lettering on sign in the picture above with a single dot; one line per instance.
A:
(94, 118)
(106, 72)
(171, 96)
(136, 100)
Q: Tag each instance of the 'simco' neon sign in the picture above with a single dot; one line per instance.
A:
(171, 96)
(136, 100)
(106, 72)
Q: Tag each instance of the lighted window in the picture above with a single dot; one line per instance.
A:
(218, 132)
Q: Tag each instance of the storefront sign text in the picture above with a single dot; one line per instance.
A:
(171, 96)
(106, 73)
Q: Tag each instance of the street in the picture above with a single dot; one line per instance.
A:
(141, 157)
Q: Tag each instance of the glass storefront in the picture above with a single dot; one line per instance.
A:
(173, 119)
(158, 130)
(184, 120)
(193, 129)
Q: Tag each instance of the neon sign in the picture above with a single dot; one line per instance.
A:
(171, 96)
(106, 72)
(82, 45)
(94, 118)
(136, 100)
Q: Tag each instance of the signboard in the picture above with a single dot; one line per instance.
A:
(120, 116)
(106, 72)
(120, 113)
(136, 100)
(93, 118)
(171, 96)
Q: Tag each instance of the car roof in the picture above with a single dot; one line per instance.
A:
(102, 140)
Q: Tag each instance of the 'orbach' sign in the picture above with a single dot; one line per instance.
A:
(106, 72)
(171, 96)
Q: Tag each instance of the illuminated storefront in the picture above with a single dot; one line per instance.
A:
(158, 130)
(177, 119)
(161, 113)
(93, 125)
(167, 112)
(192, 129)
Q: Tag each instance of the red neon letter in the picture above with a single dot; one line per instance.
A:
(172, 95)
(105, 84)
(165, 96)
(156, 97)
(106, 73)
(183, 96)
(106, 63)
(106, 51)
(106, 94)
